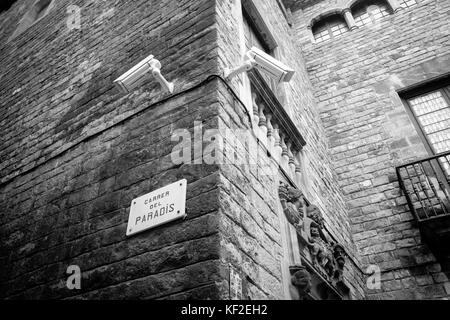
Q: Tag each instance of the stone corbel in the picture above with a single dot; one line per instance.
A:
(301, 280)
(339, 257)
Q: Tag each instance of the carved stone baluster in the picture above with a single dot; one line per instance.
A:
(284, 151)
(270, 133)
(255, 108)
(291, 157)
(298, 166)
(277, 143)
(262, 123)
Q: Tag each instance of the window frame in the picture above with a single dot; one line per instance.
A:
(327, 22)
(263, 34)
(253, 16)
(266, 47)
(364, 6)
(440, 84)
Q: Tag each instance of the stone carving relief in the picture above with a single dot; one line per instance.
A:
(326, 255)
(292, 203)
(301, 279)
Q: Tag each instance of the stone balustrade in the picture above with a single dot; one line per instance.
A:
(275, 129)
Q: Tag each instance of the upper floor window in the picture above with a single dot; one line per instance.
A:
(367, 12)
(407, 3)
(429, 109)
(432, 113)
(329, 27)
(252, 37)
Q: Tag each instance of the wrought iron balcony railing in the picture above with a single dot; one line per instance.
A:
(426, 185)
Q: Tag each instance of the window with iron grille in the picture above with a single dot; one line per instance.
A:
(429, 108)
(407, 3)
(368, 12)
(426, 182)
(329, 27)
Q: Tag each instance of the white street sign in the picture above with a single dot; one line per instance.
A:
(158, 207)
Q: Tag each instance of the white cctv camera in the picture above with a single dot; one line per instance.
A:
(136, 75)
(256, 58)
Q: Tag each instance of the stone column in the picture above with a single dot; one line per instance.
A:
(349, 18)
(394, 4)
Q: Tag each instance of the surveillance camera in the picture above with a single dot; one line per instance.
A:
(277, 70)
(134, 77)
(256, 58)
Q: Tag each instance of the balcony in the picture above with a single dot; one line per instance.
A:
(426, 186)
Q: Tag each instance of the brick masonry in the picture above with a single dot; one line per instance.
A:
(75, 152)
(258, 195)
(356, 78)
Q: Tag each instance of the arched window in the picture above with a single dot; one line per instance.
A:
(329, 27)
(367, 12)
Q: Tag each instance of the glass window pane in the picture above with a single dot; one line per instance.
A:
(329, 27)
(407, 3)
(433, 114)
(367, 12)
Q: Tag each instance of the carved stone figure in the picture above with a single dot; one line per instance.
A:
(326, 255)
(301, 279)
(320, 249)
(314, 214)
(339, 257)
(292, 203)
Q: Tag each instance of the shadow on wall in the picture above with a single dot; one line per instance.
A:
(36, 12)
(88, 104)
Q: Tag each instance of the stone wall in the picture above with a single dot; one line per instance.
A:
(356, 78)
(247, 193)
(75, 151)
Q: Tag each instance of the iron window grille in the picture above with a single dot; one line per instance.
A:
(426, 183)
